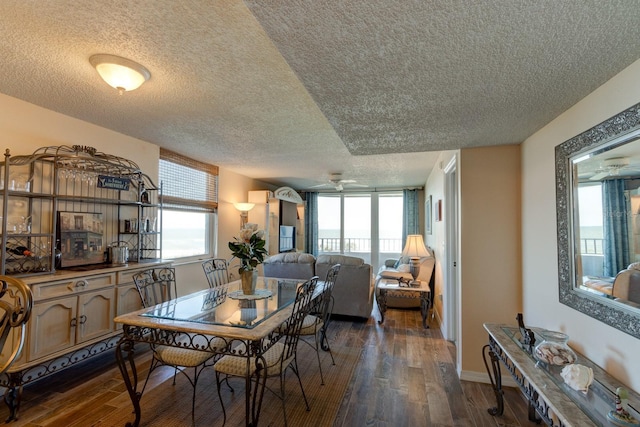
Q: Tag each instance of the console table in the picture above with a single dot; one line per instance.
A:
(549, 397)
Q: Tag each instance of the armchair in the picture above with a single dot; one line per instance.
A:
(353, 289)
(626, 285)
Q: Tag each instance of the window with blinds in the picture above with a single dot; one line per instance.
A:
(190, 202)
(187, 183)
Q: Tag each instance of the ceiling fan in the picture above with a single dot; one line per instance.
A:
(336, 181)
(614, 167)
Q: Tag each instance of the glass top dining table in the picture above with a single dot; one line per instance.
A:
(228, 305)
(250, 322)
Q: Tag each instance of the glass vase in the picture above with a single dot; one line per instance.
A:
(554, 350)
(249, 280)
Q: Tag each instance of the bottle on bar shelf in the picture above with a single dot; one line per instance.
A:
(18, 250)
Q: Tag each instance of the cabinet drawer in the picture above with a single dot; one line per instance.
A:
(126, 277)
(71, 286)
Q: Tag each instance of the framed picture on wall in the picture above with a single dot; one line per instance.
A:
(81, 236)
(438, 213)
(427, 214)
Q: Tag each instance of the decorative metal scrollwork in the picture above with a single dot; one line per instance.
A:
(536, 405)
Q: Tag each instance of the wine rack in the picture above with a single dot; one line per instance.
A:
(78, 180)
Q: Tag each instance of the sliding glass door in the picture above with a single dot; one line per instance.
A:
(390, 207)
(329, 224)
(365, 225)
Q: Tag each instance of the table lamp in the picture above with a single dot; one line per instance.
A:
(415, 250)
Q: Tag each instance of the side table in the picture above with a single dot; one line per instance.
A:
(391, 287)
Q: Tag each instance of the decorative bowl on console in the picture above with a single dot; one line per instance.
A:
(554, 350)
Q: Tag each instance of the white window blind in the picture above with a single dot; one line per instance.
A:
(188, 183)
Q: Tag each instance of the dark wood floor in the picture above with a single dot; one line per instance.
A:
(406, 377)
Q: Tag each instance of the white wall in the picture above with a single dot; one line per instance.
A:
(611, 349)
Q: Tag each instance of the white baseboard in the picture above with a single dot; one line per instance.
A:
(483, 377)
(480, 377)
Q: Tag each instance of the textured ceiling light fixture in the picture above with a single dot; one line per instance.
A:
(120, 73)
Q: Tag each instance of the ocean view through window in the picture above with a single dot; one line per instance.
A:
(184, 234)
(591, 229)
(364, 225)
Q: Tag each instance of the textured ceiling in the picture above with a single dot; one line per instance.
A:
(292, 91)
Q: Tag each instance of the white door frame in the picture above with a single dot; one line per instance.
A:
(451, 277)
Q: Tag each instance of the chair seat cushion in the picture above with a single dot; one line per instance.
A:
(178, 356)
(310, 325)
(182, 356)
(237, 365)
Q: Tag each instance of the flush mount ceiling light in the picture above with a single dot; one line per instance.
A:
(120, 73)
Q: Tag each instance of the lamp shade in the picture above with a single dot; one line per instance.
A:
(415, 248)
(244, 207)
(120, 73)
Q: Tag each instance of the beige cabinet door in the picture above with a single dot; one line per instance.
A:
(12, 344)
(128, 299)
(96, 311)
(52, 327)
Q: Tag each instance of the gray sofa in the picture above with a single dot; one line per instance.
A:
(290, 265)
(353, 290)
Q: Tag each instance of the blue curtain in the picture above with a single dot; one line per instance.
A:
(411, 214)
(616, 228)
(311, 224)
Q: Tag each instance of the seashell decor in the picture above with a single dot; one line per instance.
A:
(578, 377)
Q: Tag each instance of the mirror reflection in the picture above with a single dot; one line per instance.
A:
(606, 213)
(593, 269)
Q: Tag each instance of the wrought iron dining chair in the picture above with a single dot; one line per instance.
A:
(217, 272)
(16, 302)
(156, 286)
(275, 361)
(315, 324)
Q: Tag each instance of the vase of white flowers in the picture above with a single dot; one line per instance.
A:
(249, 248)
